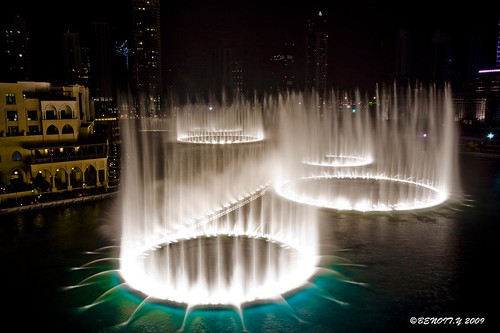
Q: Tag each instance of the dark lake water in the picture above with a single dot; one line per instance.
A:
(380, 271)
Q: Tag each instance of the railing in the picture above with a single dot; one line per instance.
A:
(52, 159)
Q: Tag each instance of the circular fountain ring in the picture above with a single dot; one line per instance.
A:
(362, 193)
(219, 270)
(218, 137)
(340, 161)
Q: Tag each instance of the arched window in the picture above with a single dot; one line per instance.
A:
(65, 112)
(50, 112)
(76, 177)
(67, 129)
(16, 156)
(91, 176)
(52, 130)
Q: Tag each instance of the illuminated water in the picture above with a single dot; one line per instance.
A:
(424, 263)
(394, 151)
(195, 202)
(218, 123)
(192, 230)
(229, 237)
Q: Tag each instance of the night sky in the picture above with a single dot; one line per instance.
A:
(362, 34)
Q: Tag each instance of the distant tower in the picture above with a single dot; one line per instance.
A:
(404, 50)
(72, 58)
(222, 72)
(15, 47)
(316, 54)
(441, 58)
(237, 76)
(498, 46)
(283, 68)
(146, 55)
(101, 73)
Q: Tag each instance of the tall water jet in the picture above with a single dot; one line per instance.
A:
(216, 123)
(409, 138)
(201, 221)
(200, 225)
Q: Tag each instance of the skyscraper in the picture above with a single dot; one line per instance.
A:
(72, 58)
(441, 58)
(404, 52)
(479, 102)
(101, 73)
(146, 55)
(15, 47)
(316, 54)
(283, 68)
(498, 47)
(222, 72)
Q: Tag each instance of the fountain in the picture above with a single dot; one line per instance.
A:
(200, 224)
(217, 123)
(395, 154)
(150, 124)
(224, 214)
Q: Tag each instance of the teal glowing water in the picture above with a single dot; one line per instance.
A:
(195, 230)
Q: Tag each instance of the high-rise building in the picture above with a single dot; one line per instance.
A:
(237, 77)
(225, 73)
(498, 46)
(15, 50)
(72, 58)
(222, 73)
(479, 102)
(404, 52)
(146, 56)
(283, 69)
(441, 70)
(101, 69)
(316, 54)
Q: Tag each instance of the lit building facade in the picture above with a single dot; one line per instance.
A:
(404, 51)
(498, 47)
(72, 58)
(316, 54)
(283, 69)
(101, 69)
(237, 78)
(146, 56)
(47, 141)
(15, 51)
(479, 102)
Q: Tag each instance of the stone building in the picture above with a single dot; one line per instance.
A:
(47, 140)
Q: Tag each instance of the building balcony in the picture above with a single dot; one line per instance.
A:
(57, 154)
(56, 159)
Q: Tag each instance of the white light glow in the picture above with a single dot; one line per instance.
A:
(363, 193)
(340, 161)
(178, 269)
(214, 223)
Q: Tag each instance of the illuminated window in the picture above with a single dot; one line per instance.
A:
(12, 131)
(10, 98)
(32, 115)
(12, 115)
(32, 130)
(16, 156)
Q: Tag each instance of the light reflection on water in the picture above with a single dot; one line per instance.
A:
(433, 263)
(373, 263)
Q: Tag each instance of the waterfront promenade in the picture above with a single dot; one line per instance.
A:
(473, 145)
(61, 199)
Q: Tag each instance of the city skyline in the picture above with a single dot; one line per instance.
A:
(361, 43)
